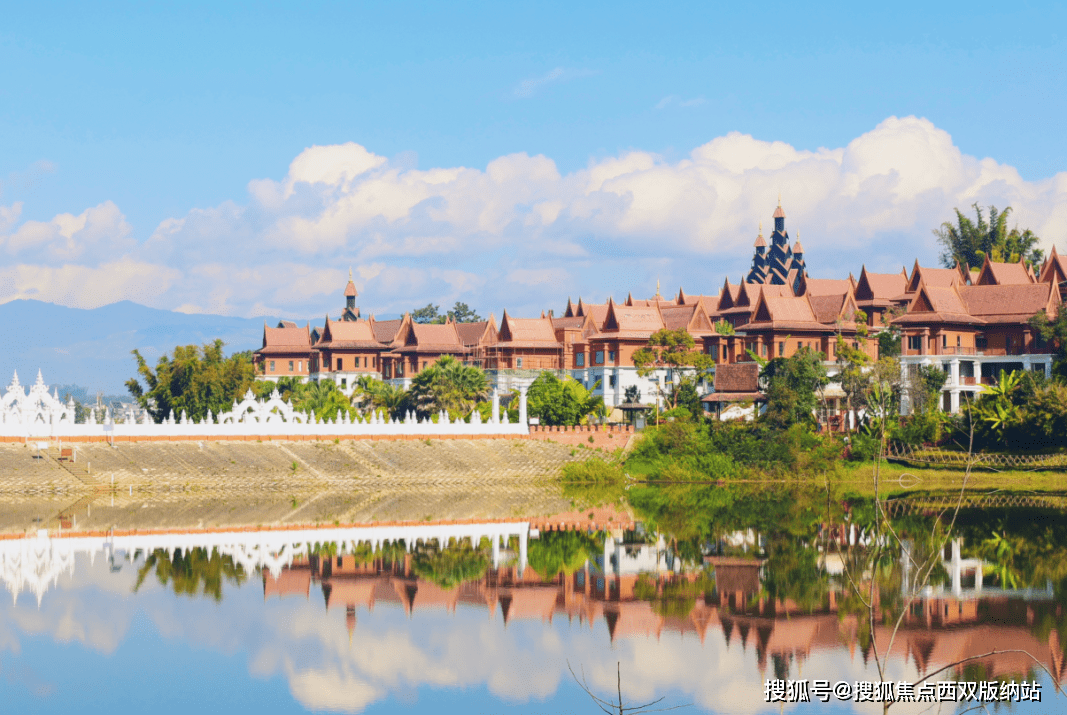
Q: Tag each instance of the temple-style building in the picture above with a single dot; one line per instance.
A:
(778, 264)
(973, 323)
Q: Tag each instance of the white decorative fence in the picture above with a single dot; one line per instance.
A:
(37, 414)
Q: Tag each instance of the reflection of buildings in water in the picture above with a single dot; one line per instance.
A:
(942, 627)
(35, 563)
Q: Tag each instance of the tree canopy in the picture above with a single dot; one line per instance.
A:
(793, 385)
(674, 349)
(194, 379)
(460, 313)
(971, 242)
(560, 402)
(447, 385)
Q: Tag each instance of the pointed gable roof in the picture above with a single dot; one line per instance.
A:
(937, 303)
(934, 277)
(527, 332)
(879, 288)
(286, 340)
(569, 312)
(385, 330)
(1012, 303)
(631, 321)
(480, 333)
(728, 296)
(1055, 268)
(348, 334)
(1004, 274)
(783, 312)
(691, 318)
(825, 286)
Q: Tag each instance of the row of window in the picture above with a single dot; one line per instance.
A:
(298, 364)
(598, 358)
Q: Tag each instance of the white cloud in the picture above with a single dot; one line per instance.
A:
(519, 233)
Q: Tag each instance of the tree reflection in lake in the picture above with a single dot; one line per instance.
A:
(191, 572)
(753, 580)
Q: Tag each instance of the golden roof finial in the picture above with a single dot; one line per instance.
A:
(657, 287)
(350, 273)
(779, 199)
(761, 227)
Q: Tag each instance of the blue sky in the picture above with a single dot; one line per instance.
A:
(148, 125)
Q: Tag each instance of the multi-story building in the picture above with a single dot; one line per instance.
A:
(972, 323)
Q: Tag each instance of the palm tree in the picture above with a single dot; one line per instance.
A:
(448, 385)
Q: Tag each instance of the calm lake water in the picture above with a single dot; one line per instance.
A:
(695, 594)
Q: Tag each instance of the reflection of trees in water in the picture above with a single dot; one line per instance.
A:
(556, 552)
(191, 572)
(450, 565)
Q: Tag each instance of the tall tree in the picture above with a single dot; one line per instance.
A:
(793, 386)
(448, 385)
(673, 349)
(560, 402)
(462, 313)
(970, 242)
(194, 379)
(427, 314)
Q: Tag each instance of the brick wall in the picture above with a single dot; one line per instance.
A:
(609, 437)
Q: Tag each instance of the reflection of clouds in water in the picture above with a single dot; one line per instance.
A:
(392, 655)
(88, 608)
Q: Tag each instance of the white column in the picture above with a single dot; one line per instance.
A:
(1048, 369)
(905, 404)
(524, 535)
(496, 406)
(954, 372)
(522, 405)
(954, 401)
(1026, 363)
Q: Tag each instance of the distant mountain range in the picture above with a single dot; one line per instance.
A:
(91, 348)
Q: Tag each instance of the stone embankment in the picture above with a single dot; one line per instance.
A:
(607, 437)
(285, 465)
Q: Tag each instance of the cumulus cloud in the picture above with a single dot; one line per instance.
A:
(520, 233)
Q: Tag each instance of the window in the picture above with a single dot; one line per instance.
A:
(365, 361)
(958, 343)
(339, 363)
(915, 342)
(981, 341)
(765, 350)
(855, 346)
(599, 357)
(300, 366)
(1007, 342)
(611, 357)
(344, 382)
(290, 366)
(518, 362)
(579, 359)
(272, 366)
(611, 381)
(714, 352)
(944, 340)
(781, 348)
(800, 345)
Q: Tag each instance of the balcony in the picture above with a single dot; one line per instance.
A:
(979, 352)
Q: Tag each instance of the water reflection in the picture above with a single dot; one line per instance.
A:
(752, 585)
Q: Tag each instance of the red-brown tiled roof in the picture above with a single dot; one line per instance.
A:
(348, 334)
(471, 333)
(826, 286)
(385, 330)
(287, 337)
(880, 286)
(1008, 303)
(937, 304)
(1003, 274)
(350, 290)
(737, 377)
(530, 332)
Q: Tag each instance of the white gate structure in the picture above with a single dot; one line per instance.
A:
(36, 562)
(39, 414)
